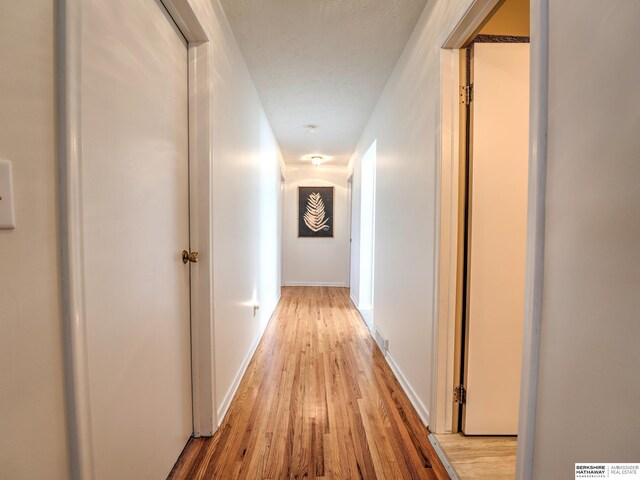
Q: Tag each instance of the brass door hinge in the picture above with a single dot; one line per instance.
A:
(466, 94)
(460, 395)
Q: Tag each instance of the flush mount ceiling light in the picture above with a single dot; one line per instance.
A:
(316, 159)
(311, 128)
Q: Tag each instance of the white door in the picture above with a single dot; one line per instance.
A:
(498, 221)
(136, 216)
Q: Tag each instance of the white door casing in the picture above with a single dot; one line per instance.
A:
(367, 229)
(498, 227)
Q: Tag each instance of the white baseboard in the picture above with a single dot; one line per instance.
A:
(368, 322)
(222, 410)
(353, 300)
(314, 284)
(423, 413)
(367, 316)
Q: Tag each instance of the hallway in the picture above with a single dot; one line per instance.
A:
(273, 239)
(317, 401)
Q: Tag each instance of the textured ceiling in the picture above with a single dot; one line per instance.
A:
(322, 62)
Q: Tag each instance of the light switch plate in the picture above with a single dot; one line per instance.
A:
(7, 215)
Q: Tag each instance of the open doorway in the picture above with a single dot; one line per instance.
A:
(367, 234)
(486, 243)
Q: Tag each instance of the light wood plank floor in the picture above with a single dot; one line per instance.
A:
(317, 401)
(480, 457)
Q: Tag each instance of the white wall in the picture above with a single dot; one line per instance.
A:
(246, 208)
(316, 261)
(588, 382)
(405, 129)
(33, 440)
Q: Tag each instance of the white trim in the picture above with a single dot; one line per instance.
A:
(201, 233)
(315, 284)
(367, 317)
(423, 413)
(468, 23)
(535, 236)
(352, 297)
(186, 20)
(446, 244)
(71, 239)
(228, 398)
(350, 206)
(367, 230)
(355, 303)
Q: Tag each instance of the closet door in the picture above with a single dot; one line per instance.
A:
(136, 224)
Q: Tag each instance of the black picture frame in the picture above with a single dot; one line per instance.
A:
(315, 212)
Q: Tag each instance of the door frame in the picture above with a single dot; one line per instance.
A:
(447, 234)
(368, 233)
(350, 197)
(69, 161)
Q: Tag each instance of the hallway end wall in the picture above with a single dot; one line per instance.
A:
(316, 261)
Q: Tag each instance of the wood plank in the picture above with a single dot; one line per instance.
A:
(318, 400)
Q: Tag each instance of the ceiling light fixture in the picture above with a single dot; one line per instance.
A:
(311, 128)
(316, 160)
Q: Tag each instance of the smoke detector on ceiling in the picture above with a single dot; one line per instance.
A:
(311, 128)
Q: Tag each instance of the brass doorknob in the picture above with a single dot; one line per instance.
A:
(189, 257)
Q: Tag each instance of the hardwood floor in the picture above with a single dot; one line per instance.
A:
(317, 401)
(480, 457)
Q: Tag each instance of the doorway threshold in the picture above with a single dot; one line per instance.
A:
(443, 458)
(476, 457)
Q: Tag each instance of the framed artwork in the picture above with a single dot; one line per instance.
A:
(315, 212)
